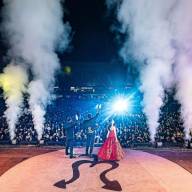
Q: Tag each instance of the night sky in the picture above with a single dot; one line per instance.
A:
(94, 52)
(92, 40)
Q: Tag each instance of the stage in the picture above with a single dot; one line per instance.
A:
(138, 171)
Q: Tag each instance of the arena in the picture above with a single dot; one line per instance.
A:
(95, 96)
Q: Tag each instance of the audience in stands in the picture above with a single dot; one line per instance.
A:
(131, 131)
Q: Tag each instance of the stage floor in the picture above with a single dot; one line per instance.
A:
(138, 171)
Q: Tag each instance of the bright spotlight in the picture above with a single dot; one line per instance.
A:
(120, 105)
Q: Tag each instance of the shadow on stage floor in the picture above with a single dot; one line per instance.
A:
(53, 171)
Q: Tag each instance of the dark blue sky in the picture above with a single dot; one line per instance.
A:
(94, 48)
(92, 40)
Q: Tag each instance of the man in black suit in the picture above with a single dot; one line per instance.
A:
(90, 127)
(69, 130)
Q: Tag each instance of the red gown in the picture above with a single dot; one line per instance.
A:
(111, 149)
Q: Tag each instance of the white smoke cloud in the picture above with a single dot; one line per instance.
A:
(149, 39)
(35, 30)
(38, 101)
(183, 73)
(181, 30)
(13, 81)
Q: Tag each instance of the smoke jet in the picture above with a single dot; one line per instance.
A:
(13, 81)
(181, 26)
(148, 39)
(35, 30)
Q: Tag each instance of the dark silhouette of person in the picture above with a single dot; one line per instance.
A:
(90, 128)
(69, 130)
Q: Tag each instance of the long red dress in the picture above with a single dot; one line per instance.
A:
(111, 148)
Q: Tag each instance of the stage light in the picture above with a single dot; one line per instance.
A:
(120, 105)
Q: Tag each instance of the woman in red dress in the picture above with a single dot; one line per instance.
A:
(111, 148)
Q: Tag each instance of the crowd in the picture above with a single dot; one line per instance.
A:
(171, 128)
(131, 130)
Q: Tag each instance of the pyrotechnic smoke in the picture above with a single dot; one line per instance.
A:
(183, 74)
(38, 101)
(36, 30)
(13, 81)
(148, 39)
(182, 33)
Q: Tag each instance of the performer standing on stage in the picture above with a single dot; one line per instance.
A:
(69, 130)
(90, 127)
(111, 148)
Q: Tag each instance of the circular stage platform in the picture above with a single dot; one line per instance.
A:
(137, 172)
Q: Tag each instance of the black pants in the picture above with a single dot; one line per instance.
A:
(69, 147)
(90, 143)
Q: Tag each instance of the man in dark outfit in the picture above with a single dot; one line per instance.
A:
(90, 127)
(69, 130)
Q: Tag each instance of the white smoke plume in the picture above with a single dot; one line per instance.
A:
(182, 29)
(13, 81)
(146, 24)
(37, 104)
(183, 75)
(35, 30)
